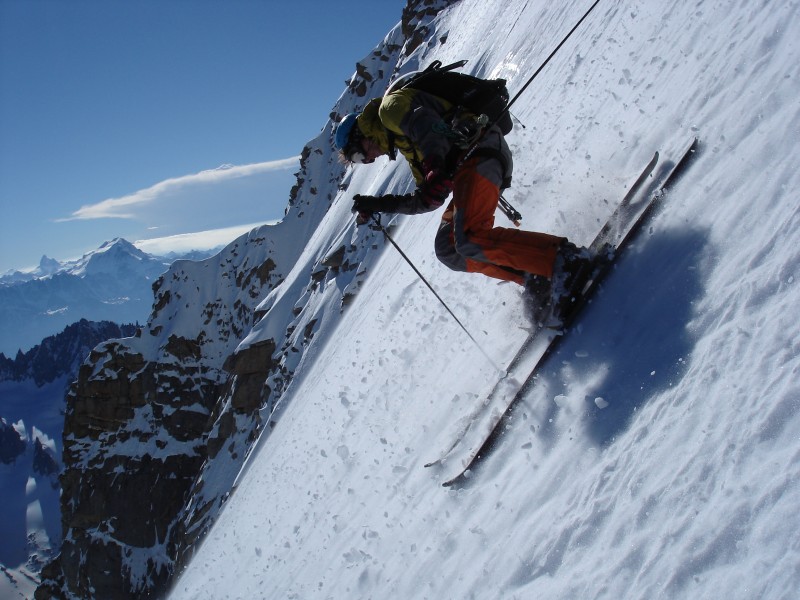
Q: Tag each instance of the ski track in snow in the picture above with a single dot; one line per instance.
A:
(686, 484)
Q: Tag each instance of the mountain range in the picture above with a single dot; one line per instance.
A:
(112, 283)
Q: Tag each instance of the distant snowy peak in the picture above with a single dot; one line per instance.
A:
(116, 245)
(107, 258)
(48, 266)
(113, 257)
(112, 283)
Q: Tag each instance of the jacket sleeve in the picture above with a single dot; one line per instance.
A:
(404, 204)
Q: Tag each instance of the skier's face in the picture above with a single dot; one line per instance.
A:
(367, 152)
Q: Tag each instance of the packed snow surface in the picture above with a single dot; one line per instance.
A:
(658, 456)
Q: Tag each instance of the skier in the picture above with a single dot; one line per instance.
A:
(416, 124)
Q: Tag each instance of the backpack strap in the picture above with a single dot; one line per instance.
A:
(434, 67)
(391, 137)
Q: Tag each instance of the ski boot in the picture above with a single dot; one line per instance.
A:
(538, 299)
(572, 271)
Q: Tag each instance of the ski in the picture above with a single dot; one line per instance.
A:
(534, 345)
(488, 421)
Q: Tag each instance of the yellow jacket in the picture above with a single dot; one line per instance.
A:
(409, 117)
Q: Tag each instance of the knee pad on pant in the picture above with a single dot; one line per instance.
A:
(467, 249)
(446, 250)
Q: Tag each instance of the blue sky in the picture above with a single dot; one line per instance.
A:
(116, 115)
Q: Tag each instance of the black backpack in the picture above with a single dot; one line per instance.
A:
(480, 96)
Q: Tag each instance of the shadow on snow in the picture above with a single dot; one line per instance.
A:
(635, 332)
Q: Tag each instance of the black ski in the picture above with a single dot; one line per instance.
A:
(624, 223)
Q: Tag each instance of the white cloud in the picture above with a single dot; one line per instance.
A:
(128, 207)
(199, 240)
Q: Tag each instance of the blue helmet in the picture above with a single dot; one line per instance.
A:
(343, 130)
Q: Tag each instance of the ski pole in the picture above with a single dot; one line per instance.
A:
(552, 54)
(377, 219)
(509, 211)
(474, 145)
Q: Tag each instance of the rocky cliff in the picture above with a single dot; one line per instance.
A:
(158, 426)
(32, 390)
(60, 354)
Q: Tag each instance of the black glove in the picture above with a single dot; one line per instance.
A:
(438, 184)
(365, 206)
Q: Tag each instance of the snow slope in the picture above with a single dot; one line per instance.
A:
(687, 483)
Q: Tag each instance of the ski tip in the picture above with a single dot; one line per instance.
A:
(458, 480)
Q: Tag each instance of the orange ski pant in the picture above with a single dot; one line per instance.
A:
(467, 239)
